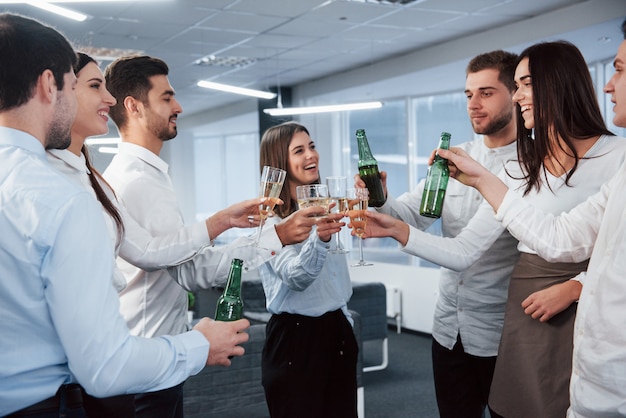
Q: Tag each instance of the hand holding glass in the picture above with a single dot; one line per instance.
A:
(313, 195)
(272, 180)
(357, 206)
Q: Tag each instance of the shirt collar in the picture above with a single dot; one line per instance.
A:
(21, 139)
(143, 154)
(71, 159)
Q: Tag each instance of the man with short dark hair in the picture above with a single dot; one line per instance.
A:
(469, 313)
(60, 322)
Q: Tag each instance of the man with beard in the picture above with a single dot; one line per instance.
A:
(470, 308)
(61, 325)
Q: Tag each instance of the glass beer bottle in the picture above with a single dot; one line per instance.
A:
(368, 171)
(230, 305)
(436, 182)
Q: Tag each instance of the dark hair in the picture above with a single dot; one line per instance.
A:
(503, 61)
(94, 176)
(564, 106)
(624, 28)
(28, 48)
(130, 76)
(274, 151)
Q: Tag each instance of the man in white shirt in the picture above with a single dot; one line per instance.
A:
(595, 228)
(59, 313)
(469, 313)
(153, 303)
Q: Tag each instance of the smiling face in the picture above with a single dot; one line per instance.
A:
(524, 94)
(303, 161)
(94, 102)
(616, 87)
(489, 103)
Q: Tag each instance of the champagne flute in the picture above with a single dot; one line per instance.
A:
(313, 195)
(337, 187)
(357, 206)
(272, 180)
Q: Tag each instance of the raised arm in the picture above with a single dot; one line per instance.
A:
(456, 253)
(569, 237)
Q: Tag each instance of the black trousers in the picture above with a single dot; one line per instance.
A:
(309, 366)
(67, 403)
(462, 381)
(166, 403)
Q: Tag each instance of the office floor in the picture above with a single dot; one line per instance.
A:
(405, 388)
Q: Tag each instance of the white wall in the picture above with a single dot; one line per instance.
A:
(419, 288)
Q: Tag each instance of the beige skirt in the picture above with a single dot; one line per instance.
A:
(532, 373)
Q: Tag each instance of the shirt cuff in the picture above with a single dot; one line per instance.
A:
(270, 240)
(197, 349)
(200, 236)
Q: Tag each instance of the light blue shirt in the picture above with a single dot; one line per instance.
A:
(59, 314)
(306, 279)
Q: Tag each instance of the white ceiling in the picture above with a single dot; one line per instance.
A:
(301, 42)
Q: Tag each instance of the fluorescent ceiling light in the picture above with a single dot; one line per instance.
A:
(58, 10)
(103, 141)
(237, 90)
(108, 150)
(283, 111)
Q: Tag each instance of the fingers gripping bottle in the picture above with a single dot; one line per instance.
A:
(436, 182)
(230, 305)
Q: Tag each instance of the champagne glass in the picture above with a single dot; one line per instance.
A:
(313, 195)
(357, 206)
(272, 180)
(337, 188)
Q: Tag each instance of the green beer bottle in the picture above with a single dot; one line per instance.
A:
(230, 305)
(368, 171)
(436, 182)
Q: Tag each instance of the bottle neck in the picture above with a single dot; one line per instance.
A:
(233, 285)
(444, 143)
(365, 154)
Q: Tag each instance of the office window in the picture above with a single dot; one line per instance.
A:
(386, 130)
(226, 172)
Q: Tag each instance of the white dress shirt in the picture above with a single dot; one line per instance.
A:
(471, 301)
(59, 314)
(595, 228)
(153, 303)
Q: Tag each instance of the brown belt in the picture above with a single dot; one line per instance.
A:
(71, 393)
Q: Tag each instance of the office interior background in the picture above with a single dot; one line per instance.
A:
(410, 55)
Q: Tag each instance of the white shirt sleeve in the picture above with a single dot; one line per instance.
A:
(462, 251)
(569, 237)
(151, 253)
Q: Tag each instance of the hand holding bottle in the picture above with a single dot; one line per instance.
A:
(225, 339)
(471, 173)
(359, 183)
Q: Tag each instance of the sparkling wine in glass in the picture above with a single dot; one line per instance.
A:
(337, 188)
(272, 180)
(357, 206)
(314, 195)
